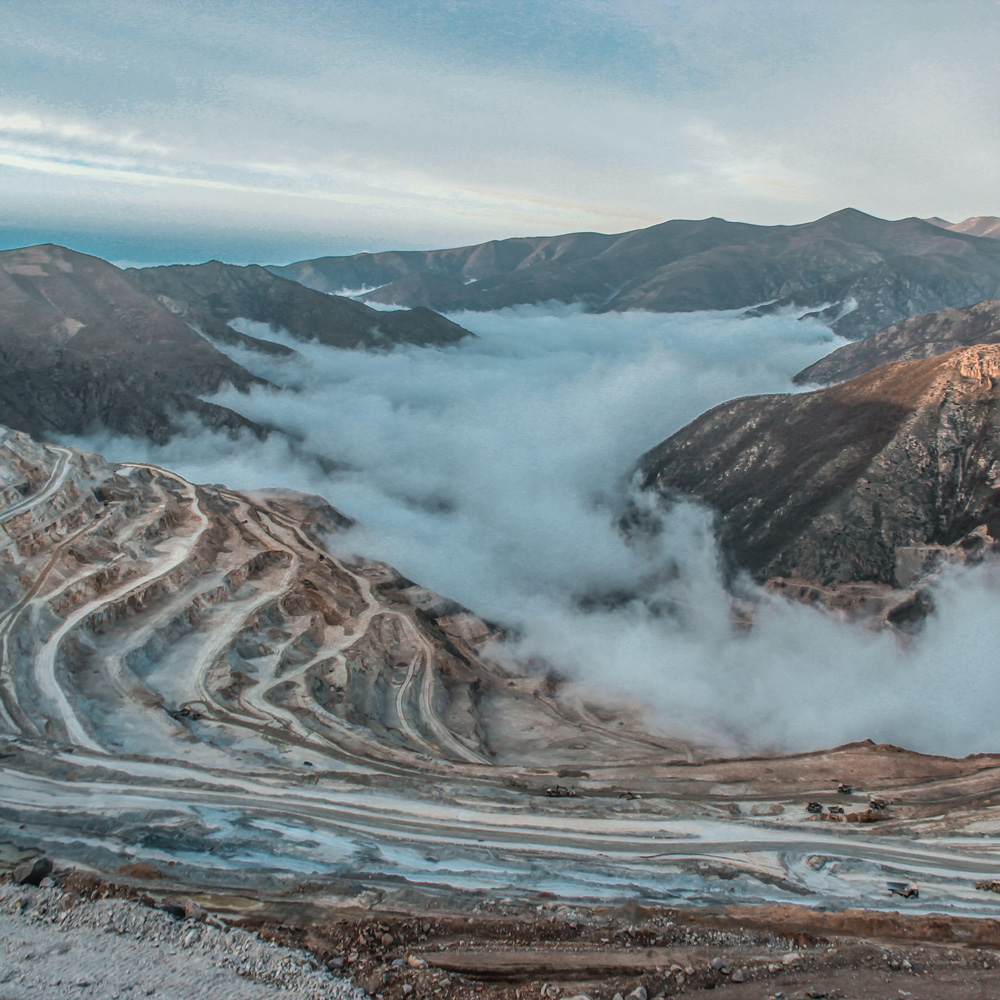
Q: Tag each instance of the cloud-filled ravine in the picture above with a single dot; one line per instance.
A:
(495, 472)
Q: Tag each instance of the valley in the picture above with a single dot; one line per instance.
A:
(202, 702)
(499, 501)
(226, 693)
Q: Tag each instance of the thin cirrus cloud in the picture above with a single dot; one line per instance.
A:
(78, 133)
(395, 124)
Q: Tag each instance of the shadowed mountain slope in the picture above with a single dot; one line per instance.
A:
(52, 296)
(82, 347)
(858, 482)
(213, 295)
(923, 336)
(86, 345)
(54, 390)
(860, 273)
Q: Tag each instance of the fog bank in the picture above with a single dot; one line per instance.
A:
(493, 472)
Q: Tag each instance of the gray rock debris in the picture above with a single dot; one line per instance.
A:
(54, 945)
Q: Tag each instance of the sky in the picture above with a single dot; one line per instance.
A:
(152, 132)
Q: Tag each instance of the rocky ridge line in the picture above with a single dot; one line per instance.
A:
(856, 272)
(872, 481)
(923, 336)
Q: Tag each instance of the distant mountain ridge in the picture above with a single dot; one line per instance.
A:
(214, 294)
(87, 346)
(858, 272)
(975, 225)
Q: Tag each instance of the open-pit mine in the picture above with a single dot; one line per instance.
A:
(195, 687)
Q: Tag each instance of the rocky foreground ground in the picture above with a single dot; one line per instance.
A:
(55, 944)
(77, 935)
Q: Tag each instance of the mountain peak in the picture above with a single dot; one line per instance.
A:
(975, 225)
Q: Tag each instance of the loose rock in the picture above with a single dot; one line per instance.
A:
(32, 872)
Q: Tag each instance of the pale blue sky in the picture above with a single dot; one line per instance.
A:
(149, 131)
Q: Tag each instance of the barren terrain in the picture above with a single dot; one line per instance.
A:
(194, 687)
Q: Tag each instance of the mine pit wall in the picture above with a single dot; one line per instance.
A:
(184, 587)
(132, 510)
(378, 682)
(23, 462)
(73, 509)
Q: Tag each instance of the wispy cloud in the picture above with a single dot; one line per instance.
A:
(432, 128)
(85, 135)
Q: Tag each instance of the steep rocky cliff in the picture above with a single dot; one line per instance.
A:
(866, 481)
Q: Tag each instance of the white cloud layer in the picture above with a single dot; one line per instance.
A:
(493, 472)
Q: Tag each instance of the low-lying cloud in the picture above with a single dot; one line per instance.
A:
(493, 471)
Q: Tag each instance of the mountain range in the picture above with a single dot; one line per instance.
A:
(859, 272)
(866, 482)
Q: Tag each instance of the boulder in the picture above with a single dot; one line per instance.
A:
(32, 872)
